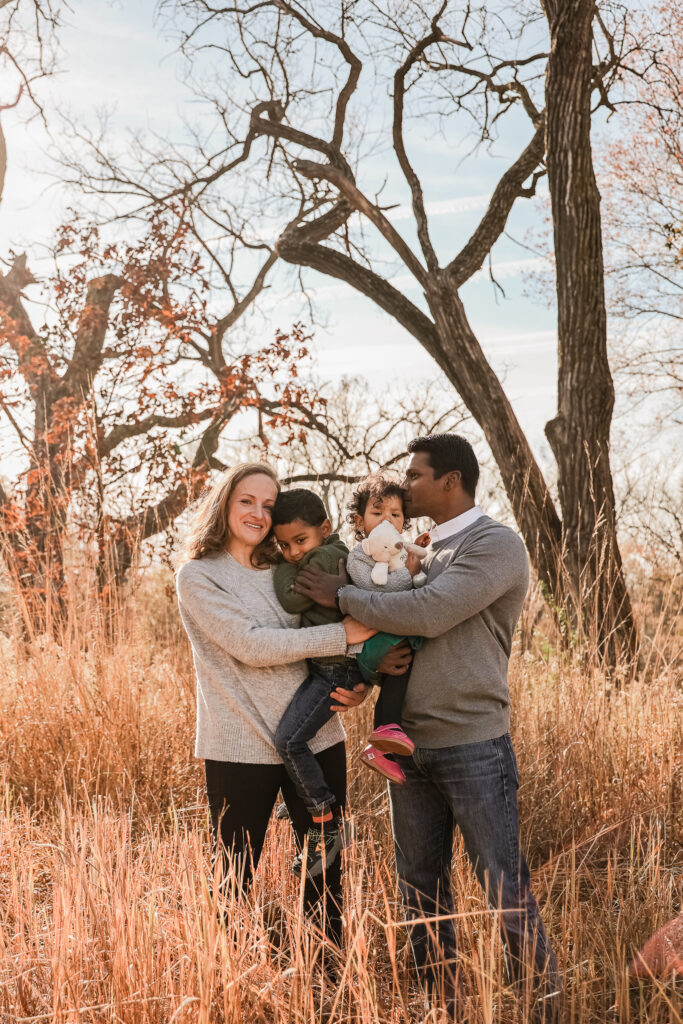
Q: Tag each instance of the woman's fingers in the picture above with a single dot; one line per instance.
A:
(397, 661)
(347, 699)
(356, 632)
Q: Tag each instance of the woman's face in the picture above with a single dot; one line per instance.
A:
(250, 509)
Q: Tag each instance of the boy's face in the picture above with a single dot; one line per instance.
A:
(298, 537)
(379, 509)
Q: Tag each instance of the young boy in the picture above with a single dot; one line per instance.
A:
(304, 533)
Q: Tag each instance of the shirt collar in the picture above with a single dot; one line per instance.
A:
(455, 525)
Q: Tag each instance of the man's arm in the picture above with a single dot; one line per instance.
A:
(490, 566)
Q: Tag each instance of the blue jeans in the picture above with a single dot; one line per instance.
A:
(308, 711)
(473, 786)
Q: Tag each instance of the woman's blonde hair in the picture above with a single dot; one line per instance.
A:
(209, 529)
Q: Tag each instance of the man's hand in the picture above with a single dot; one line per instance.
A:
(347, 699)
(321, 586)
(413, 563)
(397, 661)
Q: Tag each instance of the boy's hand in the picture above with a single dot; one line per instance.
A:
(347, 699)
(321, 587)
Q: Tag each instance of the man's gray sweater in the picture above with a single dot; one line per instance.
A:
(468, 610)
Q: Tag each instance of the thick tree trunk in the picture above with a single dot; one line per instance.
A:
(579, 433)
(465, 365)
(449, 339)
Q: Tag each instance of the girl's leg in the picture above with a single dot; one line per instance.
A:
(323, 894)
(389, 704)
(241, 798)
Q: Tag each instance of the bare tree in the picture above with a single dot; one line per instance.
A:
(289, 79)
(580, 432)
(27, 45)
(131, 377)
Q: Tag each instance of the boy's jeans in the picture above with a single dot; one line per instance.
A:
(308, 711)
(473, 786)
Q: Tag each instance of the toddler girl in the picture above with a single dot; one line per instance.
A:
(377, 498)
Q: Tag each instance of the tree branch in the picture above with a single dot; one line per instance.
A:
(124, 431)
(332, 263)
(471, 257)
(92, 330)
(355, 197)
(436, 35)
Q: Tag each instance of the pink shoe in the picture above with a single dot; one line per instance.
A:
(374, 758)
(391, 739)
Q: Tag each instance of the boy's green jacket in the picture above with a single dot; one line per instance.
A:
(326, 557)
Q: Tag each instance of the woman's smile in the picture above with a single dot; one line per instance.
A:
(250, 511)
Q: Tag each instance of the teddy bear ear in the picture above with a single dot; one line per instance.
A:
(366, 546)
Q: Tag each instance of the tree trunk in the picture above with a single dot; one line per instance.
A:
(475, 381)
(579, 433)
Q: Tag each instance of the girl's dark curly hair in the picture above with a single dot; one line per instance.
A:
(377, 486)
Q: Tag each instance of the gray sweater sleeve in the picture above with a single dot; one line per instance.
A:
(481, 574)
(220, 616)
(359, 567)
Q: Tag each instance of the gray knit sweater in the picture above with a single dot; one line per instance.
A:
(468, 610)
(249, 658)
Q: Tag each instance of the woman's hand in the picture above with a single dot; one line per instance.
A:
(347, 699)
(397, 661)
(356, 632)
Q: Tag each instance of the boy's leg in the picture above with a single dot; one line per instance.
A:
(322, 894)
(308, 711)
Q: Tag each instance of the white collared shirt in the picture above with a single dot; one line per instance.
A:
(455, 525)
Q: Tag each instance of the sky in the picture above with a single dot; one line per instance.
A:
(115, 57)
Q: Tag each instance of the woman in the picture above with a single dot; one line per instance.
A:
(249, 657)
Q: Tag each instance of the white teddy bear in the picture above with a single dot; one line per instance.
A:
(388, 548)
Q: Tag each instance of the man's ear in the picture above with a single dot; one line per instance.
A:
(326, 527)
(453, 480)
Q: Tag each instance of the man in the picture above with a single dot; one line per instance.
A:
(463, 770)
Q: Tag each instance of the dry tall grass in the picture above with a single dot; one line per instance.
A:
(104, 853)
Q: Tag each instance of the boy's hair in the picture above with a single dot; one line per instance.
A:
(299, 503)
(448, 452)
(375, 487)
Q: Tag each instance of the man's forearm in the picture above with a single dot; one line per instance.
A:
(386, 612)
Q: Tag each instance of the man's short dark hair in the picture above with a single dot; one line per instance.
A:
(448, 452)
(299, 503)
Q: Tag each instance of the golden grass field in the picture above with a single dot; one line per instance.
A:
(105, 856)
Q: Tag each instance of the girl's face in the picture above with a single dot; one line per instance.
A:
(379, 509)
(250, 510)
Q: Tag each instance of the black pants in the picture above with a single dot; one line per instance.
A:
(241, 798)
(389, 704)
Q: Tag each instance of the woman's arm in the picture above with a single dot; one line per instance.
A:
(217, 617)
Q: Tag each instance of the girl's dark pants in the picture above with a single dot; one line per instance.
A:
(241, 799)
(389, 704)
